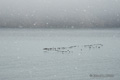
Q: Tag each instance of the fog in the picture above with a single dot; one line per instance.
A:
(59, 14)
(59, 39)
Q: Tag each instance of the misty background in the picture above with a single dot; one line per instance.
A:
(59, 14)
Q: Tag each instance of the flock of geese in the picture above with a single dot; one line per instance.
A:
(71, 48)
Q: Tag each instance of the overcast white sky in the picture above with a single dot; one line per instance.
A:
(41, 10)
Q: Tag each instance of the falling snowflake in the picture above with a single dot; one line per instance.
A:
(72, 27)
(84, 10)
(20, 26)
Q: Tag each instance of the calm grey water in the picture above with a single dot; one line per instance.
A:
(22, 56)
